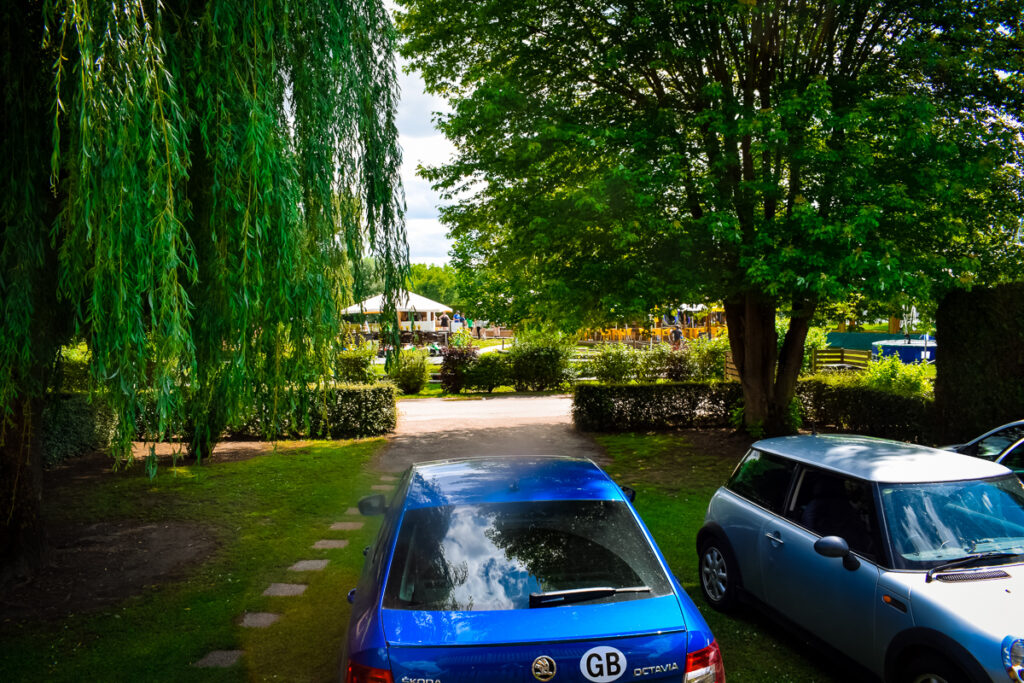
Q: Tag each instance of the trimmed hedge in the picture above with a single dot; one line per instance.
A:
(631, 407)
(73, 425)
(488, 372)
(844, 407)
(979, 382)
(540, 362)
(341, 412)
(455, 364)
(862, 410)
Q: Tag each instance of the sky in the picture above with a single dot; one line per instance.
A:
(423, 145)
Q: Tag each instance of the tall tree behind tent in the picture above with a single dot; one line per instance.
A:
(190, 186)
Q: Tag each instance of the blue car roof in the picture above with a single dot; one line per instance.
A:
(507, 479)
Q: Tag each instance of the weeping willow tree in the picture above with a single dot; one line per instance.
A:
(190, 186)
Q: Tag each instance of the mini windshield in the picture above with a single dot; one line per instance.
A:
(493, 556)
(935, 523)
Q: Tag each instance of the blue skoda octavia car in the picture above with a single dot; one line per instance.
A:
(519, 569)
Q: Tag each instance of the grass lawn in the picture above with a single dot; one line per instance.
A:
(674, 483)
(265, 512)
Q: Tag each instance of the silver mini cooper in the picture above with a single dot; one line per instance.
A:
(908, 559)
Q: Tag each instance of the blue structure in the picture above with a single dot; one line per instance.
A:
(909, 351)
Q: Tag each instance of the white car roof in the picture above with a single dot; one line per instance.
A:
(880, 460)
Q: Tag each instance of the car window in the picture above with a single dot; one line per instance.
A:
(832, 505)
(763, 478)
(493, 556)
(993, 445)
(1015, 458)
(930, 524)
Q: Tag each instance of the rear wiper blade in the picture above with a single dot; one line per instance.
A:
(555, 598)
(965, 561)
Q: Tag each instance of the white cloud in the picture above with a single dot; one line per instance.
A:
(427, 241)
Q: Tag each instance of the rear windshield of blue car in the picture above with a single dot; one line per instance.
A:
(493, 556)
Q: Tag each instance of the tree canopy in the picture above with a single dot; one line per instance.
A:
(616, 157)
(190, 187)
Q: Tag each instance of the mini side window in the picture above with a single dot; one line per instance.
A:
(763, 479)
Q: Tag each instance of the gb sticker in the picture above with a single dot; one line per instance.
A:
(603, 664)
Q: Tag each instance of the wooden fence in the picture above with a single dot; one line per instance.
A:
(839, 359)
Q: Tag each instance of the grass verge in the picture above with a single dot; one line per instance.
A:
(266, 512)
(674, 482)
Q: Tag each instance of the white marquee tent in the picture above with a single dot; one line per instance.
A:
(412, 308)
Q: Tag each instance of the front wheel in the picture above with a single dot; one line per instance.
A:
(932, 668)
(718, 575)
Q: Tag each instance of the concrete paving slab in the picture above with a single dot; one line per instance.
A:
(219, 659)
(382, 487)
(388, 477)
(329, 543)
(308, 566)
(285, 589)
(352, 511)
(259, 619)
(347, 526)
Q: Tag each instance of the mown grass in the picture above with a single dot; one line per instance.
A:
(266, 513)
(674, 483)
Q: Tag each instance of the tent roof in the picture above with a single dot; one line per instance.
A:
(408, 302)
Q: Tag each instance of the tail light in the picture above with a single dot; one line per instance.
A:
(705, 666)
(357, 673)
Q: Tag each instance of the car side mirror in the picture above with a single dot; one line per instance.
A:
(836, 546)
(372, 505)
(630, 493)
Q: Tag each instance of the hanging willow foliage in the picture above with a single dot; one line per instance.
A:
(222, 168)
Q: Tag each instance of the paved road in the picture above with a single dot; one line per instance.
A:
(433, 429)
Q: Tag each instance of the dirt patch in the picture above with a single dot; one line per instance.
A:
(95, 565)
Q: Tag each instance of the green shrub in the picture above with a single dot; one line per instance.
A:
(817, 338)
(72, 369)
(842, 402)
(653, 362)
(707, 356)
(891, 375)
(540, 361)
(488, 372)
(354, 365)
(634, 407)
(455, 364)
(412, 371)
(339, 412)
(614, 364)
(74, 424)
(679, 366)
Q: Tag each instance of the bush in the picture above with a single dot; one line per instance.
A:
(891, 375)
(74, 424)
(842, 402)
(455, 364)
(488, 372)
(540, 361)
(653, 363)
(354, 365)
(339, 412)
(631, 407)
(679, 365)
(707, 356)
(614, 364)
(412, 372)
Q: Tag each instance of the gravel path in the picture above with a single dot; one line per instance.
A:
(435, 429)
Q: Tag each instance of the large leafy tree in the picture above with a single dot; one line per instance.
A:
(190, 186)
(617, 156)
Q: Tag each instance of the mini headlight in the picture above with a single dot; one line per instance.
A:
(1013, 657)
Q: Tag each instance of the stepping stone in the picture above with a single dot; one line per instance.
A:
(382, 487)
(387, 477)
(308, 566)
(285, 589)
(347, 526)
(219, 659)
(259, 619)
(352, 511)
(329, 544)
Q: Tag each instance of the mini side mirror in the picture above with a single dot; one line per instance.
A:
(630, 493)
(372, 505)
(835, 546)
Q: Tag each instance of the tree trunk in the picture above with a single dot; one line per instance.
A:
(768, 377)
(22, 537)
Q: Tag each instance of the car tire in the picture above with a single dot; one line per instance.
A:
(719, 574)
(932, 668)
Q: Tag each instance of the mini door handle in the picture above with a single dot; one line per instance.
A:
(774, 537)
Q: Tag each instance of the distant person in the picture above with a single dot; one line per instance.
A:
(458, 317)
(676, 336)
(445, 320)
